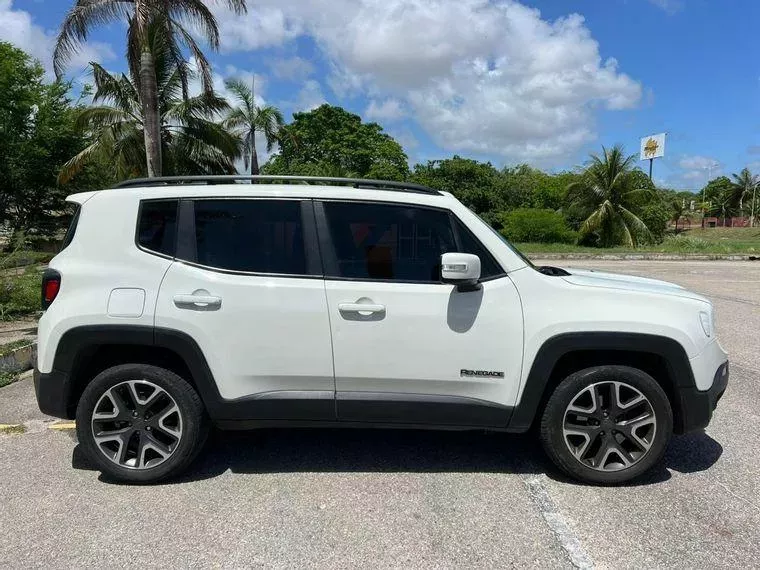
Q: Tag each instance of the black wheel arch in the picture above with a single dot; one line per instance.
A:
(661, 357)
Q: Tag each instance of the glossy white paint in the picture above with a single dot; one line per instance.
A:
(460, 267)
(425, 336)
(262, 333)
(265, 334)
(102, 257)
(126, 302)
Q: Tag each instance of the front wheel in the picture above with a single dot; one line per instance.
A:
(607, 424)
(140, 423)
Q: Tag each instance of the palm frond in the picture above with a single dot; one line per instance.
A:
(76, 26)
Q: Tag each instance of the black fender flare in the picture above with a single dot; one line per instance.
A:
(556, 347)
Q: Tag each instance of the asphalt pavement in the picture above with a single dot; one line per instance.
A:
(356, 498)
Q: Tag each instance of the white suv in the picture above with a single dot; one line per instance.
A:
(289, 301)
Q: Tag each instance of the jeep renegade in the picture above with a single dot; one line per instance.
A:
(295, 301)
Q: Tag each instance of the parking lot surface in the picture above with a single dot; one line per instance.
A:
(327, 498)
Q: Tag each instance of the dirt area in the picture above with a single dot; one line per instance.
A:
(25, 329)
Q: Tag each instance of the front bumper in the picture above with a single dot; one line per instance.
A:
(697, 406)
(54, 394)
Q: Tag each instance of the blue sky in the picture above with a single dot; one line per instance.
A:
(543, 82)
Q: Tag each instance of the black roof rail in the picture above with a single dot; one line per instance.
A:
(264, 178)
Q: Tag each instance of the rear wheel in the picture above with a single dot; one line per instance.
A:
(140, 423)
(607, 424)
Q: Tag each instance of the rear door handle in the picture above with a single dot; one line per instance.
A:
(198, 302)
(361, 308)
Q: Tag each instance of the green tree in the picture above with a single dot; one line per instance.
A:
(608, 194)
(536, 225)
(329, 139)
(478, 185)
(37, 136)
(192, 142)
(147, 19)
(742, 188)
(715, 196)
(248, 119)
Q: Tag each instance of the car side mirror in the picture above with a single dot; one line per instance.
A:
(462, 270)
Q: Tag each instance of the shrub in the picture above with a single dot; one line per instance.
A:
(20, 293)
(655, 216)
(535, 225)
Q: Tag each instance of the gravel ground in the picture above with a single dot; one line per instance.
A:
(326, 498)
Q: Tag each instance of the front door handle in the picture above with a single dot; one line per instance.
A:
(361, 308)
(198, 302)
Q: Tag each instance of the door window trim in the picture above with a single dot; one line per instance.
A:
(186, 238)
(329, 254)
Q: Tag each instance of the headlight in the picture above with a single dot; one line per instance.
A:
(706, 321)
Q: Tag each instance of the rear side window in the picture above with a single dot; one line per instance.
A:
(157, 227)
(255, 236)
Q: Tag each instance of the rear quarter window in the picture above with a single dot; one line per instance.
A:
(67, 239)
(157, 226)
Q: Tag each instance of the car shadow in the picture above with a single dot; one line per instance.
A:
(410, 451)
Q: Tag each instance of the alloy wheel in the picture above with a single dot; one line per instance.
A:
(609, 426)
(137, 424)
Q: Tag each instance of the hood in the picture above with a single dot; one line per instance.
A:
(591, 278)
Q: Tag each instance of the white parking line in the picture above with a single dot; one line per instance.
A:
(556, 522)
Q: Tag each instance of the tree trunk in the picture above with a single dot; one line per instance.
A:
(150, 112)
(752, 209)
(254, 156)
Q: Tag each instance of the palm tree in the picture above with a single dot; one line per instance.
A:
(191, 142)
(143, 18)
(248, 119)
(744, 184)
(607, 194)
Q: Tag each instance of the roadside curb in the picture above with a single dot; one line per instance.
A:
(642, 257)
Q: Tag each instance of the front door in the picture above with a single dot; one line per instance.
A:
(408, 348)
(247, 290)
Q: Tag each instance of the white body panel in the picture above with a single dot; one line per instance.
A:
(102, 257)
(269, 334)
(424, 335)
(283, 333)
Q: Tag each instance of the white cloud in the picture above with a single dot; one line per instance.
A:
(699, 169)
(698, 162)
(310, 97)
(293, 68)
(263, 26)
(670, 6)
(387, 110)
(477, 76)
(17, 27)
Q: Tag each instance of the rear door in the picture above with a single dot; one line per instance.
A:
(409, 348)
(247, 286)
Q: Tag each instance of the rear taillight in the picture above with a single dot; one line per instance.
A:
(51, 284)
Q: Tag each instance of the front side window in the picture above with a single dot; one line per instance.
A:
(388, 242)
(257, 236)
(157, 227)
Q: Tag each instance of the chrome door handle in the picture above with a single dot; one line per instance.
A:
(198, 302)
(361, 308)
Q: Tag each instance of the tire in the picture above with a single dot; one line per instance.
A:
(139, 423)
(597, 428)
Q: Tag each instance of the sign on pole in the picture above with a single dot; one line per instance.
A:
(653, 147)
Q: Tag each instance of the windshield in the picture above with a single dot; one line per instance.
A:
(517, 252)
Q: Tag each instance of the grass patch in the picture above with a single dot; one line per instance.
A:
(6, 349)
(716, 241)
(20, 293)
(7, 378)
(22, 258)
